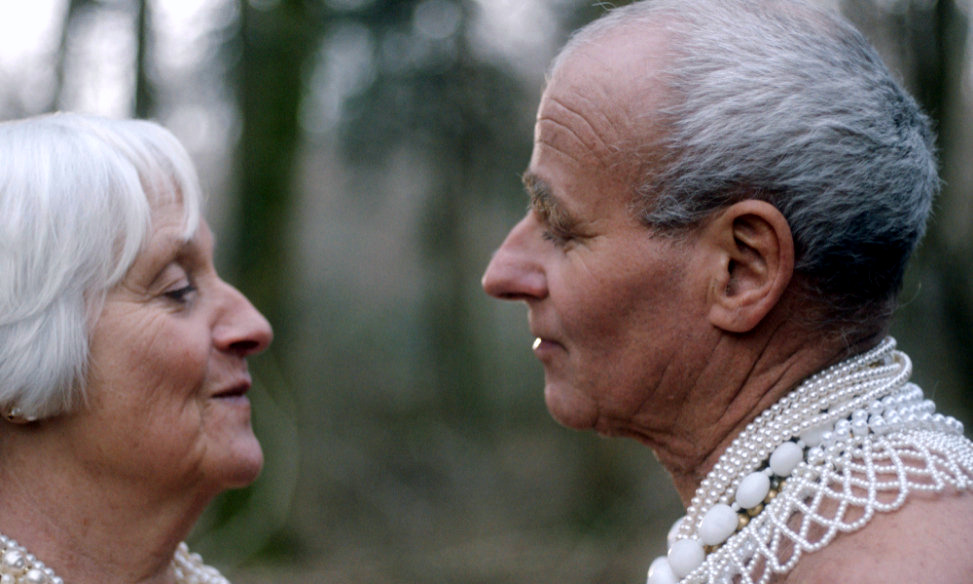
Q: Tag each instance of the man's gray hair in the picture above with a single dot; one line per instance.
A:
(785, 102)
(76, 194)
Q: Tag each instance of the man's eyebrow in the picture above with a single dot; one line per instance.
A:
(545, 203)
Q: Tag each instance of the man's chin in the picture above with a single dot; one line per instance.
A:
(569, 408)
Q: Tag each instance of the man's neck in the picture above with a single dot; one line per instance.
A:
(739, 379)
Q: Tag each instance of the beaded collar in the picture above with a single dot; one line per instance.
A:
(18, 566)
(853, 440)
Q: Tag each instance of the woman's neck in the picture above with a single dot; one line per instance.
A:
(86, 524)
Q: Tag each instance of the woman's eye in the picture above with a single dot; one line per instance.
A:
(181, 294)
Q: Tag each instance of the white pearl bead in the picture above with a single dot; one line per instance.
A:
(747, 550)
(842, 430)
(35, 577)
(877, 424)
(718, 524)
(785, 458)
(752, 490)
(14, 560)
(814, 436)
(685, 556)
(892, 420)
(673, 534)
(661, 573)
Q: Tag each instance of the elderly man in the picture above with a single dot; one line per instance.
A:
(723, 197)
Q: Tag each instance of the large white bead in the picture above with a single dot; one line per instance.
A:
(661, 573)
(35, 577)
(685, 556)
(785, 459)
(718, 524)
(753, 490)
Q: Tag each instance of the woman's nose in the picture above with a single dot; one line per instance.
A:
(242, 330)
(515, 271)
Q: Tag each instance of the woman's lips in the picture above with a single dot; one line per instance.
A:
(238, 390)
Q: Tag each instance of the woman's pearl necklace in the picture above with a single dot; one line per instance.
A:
(18, 566)
(851, 440)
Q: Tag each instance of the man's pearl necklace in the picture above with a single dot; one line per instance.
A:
(18, 566)
(850, 441)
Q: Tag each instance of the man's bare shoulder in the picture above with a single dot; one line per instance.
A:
(930, 539)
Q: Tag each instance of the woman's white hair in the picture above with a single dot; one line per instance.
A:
(76, 197)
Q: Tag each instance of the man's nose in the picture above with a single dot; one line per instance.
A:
(515, 272)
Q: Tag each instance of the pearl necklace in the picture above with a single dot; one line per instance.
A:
(18, 566)
(852, 440)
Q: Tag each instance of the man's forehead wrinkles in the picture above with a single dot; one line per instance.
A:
(578, 122)
(579, 115)
(558, 149)
(551, 137)
(589, 111)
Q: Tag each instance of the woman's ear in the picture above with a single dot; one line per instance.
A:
(751, 263)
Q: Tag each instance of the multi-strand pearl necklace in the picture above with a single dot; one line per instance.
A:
(851, 441)
(18, 566)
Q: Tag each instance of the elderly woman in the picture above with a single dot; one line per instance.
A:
(724, 194)
(123, 373)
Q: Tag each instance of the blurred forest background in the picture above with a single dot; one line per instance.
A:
(363, 159)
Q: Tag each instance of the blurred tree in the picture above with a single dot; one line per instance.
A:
(265, 50)
(75, 12)
(144, 95)
(930, 44)
(74, 8)
(432, 94)
(274, 42)
(938, 40)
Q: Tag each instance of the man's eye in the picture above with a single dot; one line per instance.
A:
(559, 239)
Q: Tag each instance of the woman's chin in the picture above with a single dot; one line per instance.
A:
(244, 466)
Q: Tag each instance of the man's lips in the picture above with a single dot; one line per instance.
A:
(543, 346)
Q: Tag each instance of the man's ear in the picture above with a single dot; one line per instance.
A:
(750, 263)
